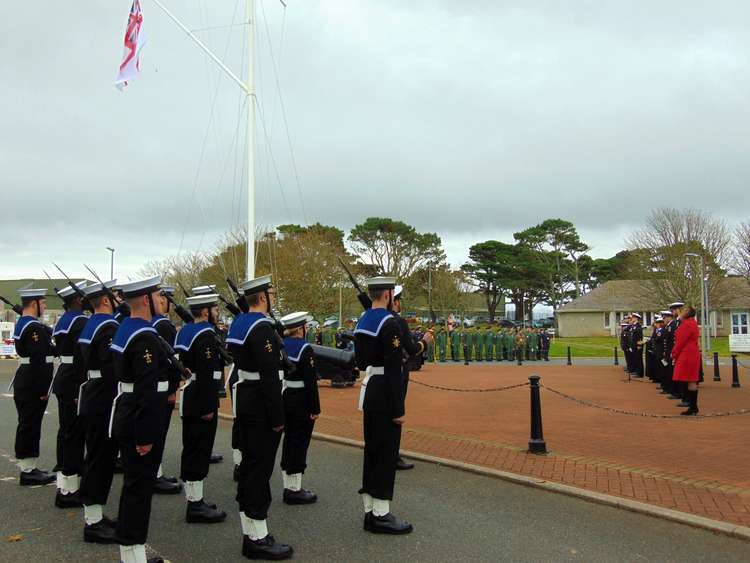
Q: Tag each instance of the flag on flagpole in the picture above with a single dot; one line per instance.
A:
(130, 67)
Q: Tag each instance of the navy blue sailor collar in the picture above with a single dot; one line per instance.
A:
(190, 332)
(65, 322)
(97, 321)
(22, 324)
(372, 321)
(129, 329)
(243, 325)
(294, 346)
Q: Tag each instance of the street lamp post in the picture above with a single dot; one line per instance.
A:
(111, 262)
(705, 339)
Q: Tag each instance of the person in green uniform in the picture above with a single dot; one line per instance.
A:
(520, 341)
(533, 341)
(498, 338)
(489, 344)
(455, 339)
(477, 339)
(431, 347)
(442, 342)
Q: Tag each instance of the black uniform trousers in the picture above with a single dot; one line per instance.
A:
(137, 491)
(259, 444)
(168, 410)
(99, 463)
(382, 440)
(71, 436)
(298, 429)
(30, 415)
(197, 443)
(236, 443)
(638, 361)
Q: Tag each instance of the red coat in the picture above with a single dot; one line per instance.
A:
(686, 352)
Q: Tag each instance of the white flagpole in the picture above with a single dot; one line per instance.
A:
(250, 148)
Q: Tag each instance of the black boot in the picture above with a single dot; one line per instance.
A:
(267, 548)
(200, 512)
(163, 486)
(693, 410)
(402, 465)
(36, 477)
(67, 501)
(387, 524)
(215, 458)
(685, 394)
(299, 497)
(101, 532)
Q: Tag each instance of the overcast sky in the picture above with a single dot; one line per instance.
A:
(472, 119)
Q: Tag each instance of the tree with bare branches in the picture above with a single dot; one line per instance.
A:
(741, 258)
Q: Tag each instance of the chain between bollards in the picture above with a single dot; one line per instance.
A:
(570, 360)
(717, 373)
(617, 360)
(735, 372)
(537, 445)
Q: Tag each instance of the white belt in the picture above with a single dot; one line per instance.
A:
(121, 388)
(126, 388)
(291, 384)
(27, 361)
(182, 393)
(369, 372)
(94, 374)
(66, 359)
(218, 375)
(162, 387)
(248, 375)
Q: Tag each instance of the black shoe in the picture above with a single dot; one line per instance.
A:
(67, 501)
(299, 497)
(267, 548)
(215, 458)
(170, 478)
(36, 477)
(387, 524)
(164, 486)
(109, 522)
(692, 411)
(683, 403)
(200, 512)
(101, 532)
(402, 465)
(236, 474)
(674, 397)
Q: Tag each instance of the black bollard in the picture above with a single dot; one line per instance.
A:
(537, 445)
(735, 372)
(570, 361)
(466, 355)
(617, 360)
(717, 373)
(700, 373)
(519, 357)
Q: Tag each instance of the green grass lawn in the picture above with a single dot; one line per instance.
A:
(597, 347)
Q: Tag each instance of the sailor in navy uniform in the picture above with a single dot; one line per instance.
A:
(30, 384)
(199, 403)
(412, 347)
(220, 383)
(95, 398)
(167, 485)
(636, 345)
(258, 405)
(65, 384)
(137, 419)
(301, 408)
(379, 349)
(669, 340)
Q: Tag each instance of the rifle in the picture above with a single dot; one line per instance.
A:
(240, 301)
(117, 305)
(185, 291)
(50, 279)
(362, 297)
(76, 289)
(17, 309)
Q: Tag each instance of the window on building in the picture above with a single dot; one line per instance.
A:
(606, 319)
(739, 322)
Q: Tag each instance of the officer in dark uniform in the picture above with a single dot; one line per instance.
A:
(167, 485)
(301, 408)
(657, 349)
(199, 351)
(664, 383)
(544, 343)
(669, 340)
(94, 405)
(137, 419)
(65, 384)
(412, 347)
(31, 383)
(636, 345)
(625, 336)
(379, 351)
(257, 350)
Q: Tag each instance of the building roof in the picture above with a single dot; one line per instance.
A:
(634, 295)
(9, 290)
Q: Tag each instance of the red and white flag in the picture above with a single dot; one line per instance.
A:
(130, 67)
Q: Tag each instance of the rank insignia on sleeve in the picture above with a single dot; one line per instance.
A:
(147, 356)
(35, 336)
(269, 347)
(208, 353)
(396, 342)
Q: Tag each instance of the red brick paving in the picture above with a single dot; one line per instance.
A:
(700, 466)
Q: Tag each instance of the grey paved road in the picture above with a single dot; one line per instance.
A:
(457, 516)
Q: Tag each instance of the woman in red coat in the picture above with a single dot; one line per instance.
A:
(686, 355)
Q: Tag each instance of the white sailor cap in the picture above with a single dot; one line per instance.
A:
(30, 293)
(658, 319)
(676, 305)
(204, 289)
(256, 285)
(397, 291)
(140, 287)
(168, 289)
(67, 292)
(666, 313)
(381, 282)
(96, 289)
(636, 315)
(203, 300)
(294, 320)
